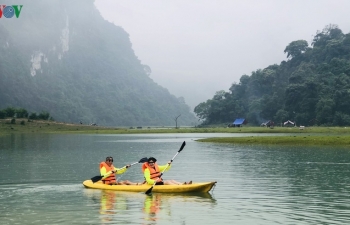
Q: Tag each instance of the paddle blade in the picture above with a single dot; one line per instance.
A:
(149, 191)
(143, 160)
(182, 146)
(96, 178)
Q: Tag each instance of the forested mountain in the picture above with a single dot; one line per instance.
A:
(312, 87)
(62, 57)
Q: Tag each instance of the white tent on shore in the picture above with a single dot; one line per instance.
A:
(289, 123)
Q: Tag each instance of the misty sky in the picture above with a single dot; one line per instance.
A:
(198, 47)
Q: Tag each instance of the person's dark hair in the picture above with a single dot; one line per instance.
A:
(109, 158)
(152, 159)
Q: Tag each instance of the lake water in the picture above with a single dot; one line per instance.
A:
(41, 179)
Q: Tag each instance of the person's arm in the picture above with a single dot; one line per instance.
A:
(120, 170)
(161, 168)
(105, 174)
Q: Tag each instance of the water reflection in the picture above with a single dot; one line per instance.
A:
(114, 207)
(159, 205)
(111, 204)
(152, 207)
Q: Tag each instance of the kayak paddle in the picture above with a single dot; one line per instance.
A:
(150, 190)
(97, 178)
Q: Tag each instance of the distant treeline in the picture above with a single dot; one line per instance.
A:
(23, 113)
(311, 88)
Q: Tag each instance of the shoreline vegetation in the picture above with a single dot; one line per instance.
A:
(330, 140)
(337, 136)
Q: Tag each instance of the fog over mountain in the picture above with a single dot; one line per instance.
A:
(196, 48)
(63, 57)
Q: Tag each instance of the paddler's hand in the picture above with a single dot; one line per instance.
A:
(127, 166)
(169, 162)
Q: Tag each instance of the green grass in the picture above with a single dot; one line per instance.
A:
(59, 127)
(308, 136)
(333, 140)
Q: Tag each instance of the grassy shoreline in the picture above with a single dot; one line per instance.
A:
(316, 140)
(307, 136)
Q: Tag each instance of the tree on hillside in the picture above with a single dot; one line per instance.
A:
(330, 32)
(202, 110)
(296, 48)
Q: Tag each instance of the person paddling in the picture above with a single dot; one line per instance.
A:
(108, 171)
(151, 171)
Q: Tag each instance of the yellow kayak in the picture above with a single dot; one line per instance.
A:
(194, 187)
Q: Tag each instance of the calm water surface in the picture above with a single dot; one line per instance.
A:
(41, 179)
